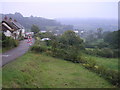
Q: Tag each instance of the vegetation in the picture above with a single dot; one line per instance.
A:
(35, 70)
(104, 52)
(113, 39)
(42, 23)
(109, 63)
(8, 43)
(70, 46)
(35, 29)
(66, 46)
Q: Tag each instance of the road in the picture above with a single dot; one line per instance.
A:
(11, 55)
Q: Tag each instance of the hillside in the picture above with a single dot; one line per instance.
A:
(40, 71)
(42, 23)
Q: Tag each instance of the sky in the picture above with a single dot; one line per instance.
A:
(62, 8)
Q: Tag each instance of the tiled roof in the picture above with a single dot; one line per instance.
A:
(12, 24)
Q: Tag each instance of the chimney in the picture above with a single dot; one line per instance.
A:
(5, 18)
(10, 19)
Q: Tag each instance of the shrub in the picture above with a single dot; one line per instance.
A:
(105, 52)
(37, 48)
(9, 42)
(116, 53)
(110, 75)
(21, 37)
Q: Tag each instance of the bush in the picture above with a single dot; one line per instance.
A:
(116, 53)
(9, 42)
(110, 75)
(105, 52)
(21, 38)
(37, 48)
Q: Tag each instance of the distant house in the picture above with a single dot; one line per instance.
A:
(12, 28)
(43, 31)
(76, 32)
(56, 34)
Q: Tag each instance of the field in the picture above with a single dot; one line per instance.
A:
(39, 71)
(109, 63)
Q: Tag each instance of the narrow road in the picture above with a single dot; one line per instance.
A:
(11, 55)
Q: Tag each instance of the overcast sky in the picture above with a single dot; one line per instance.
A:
(62, 8)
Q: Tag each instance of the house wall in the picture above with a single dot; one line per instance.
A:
(8, 33)
(23, 32)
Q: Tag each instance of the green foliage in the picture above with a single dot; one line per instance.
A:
(69, 38)
(67, 46)
(98, 43)
(104, 52)
(46, 35)
(38, 49)
(113, 39)
(35, 29)
(109, 74)
(9, 42)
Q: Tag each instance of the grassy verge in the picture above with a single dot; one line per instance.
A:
(109, 63)
(40, 71)
(5, 49)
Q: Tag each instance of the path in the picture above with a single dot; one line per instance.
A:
(15, 53)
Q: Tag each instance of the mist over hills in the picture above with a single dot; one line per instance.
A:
(63, 24)
(27, 22)
(91, 23)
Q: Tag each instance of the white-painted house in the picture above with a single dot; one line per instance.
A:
(76, 31)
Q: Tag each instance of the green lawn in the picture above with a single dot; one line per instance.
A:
(37, 70)
(110, 63)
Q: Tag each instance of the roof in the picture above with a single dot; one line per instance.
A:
(11, 25)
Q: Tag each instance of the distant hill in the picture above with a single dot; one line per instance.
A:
(27, 22)
(91, 23)
(42, 23)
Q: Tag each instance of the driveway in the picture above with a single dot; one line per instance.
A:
(11, 55)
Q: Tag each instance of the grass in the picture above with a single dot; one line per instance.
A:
(0, 50)
(109, 63)
(40, 71)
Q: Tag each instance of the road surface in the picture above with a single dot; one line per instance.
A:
(11, 55)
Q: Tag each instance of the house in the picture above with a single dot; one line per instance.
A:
(43, 31)
(76, 32)
(12, 28)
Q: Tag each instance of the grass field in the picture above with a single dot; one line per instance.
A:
(40, 71)
(110, 63)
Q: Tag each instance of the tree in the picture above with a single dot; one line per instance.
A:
(113, 39)
(35, 29)
(99, 32)
(71, 39)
